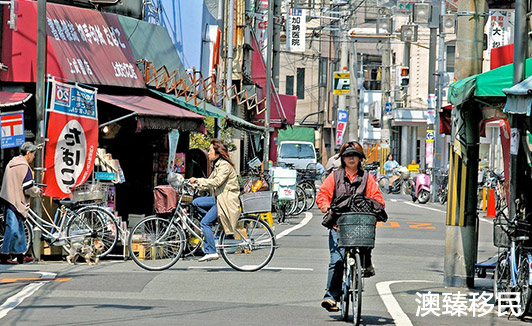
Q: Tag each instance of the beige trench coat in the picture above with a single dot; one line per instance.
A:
(223, 184)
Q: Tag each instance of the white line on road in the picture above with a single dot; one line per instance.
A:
(425, 207)
(13, 301)
(393, 307)
(394, 200)
(308, 217)
(270, 268)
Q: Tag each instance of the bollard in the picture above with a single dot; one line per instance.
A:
(37, 244)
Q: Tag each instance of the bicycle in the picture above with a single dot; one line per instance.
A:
(157, 242)
(306, 180)
(66, 227)
(513, 270)
(355, 231)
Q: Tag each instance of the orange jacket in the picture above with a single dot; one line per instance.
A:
(325, 195)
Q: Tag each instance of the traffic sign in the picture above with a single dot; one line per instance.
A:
(388, 107)
(342, 83)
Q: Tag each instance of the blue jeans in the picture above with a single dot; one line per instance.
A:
(14, 237)
(336, 268)
(207, 207)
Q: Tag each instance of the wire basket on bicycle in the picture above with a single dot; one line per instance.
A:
(90, 192)
(356, 230)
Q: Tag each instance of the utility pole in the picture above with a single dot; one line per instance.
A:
(429, 157)
(404, 129)
(276, 42)
(266, 149)
(229, 68)
(40, 106)
(342, 99)
(385, 86)
(520, 51)
(462, 219)
(438, 146)
(354, 106)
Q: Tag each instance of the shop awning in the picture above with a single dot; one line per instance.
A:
(83, 45)
(153, 113)
(486, 85)
(519, 98)
(409, 117)
(210, 110)
(153, 43)
(11, 99)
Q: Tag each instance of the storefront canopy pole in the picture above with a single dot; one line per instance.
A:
(118, 119)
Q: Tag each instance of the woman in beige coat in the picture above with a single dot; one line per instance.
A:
(223, 202)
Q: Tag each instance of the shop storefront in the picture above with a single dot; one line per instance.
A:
(92, 48)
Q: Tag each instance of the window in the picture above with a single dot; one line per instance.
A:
(300, 83)
(449, 62)
(302, 151)
(289, 88)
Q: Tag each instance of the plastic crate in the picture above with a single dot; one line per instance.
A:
(356, 230)
(256, 202)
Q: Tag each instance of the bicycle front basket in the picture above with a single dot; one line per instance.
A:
(501, 239)
(356, 230)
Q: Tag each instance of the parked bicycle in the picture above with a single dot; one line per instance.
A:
(513, 271)
(157, 242)
(68, 226)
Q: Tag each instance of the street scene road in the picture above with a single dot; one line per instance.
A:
(408, 259)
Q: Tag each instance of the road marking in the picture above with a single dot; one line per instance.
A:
(393, 307)
(388, 224)
(394, 200)
(425, 207)
(423, 226)
(308, 217)
(13, 301)
(269, 268)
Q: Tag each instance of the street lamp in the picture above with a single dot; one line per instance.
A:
(422, 13)
(449, 21)
(384, 25)
(409, 33)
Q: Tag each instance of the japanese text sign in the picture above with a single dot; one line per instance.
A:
(296, 29)
(499, 28)
(341, 126)
(12, 124)
(72, 138)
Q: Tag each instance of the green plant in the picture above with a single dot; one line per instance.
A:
(203, 141)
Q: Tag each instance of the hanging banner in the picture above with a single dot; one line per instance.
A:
(429, 149)
(340, 128)
(296, 28)
(72, 138)
(499, 28)
(173, 139)
(12, 124)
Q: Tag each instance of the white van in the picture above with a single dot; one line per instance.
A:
(299, 153)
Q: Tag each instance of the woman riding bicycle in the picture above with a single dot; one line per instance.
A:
(224, 200)
(345, 180)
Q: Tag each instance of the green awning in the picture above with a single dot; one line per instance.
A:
(210, 110)
(152, 42)
(488, 84)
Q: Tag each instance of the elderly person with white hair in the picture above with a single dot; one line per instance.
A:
(17, 188)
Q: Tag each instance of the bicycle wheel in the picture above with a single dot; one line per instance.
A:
(501, 276)
(251, 247)
(100, 221)
(346, 290)
(28, 231)
(310, 192)
(300, 201)
(523, 286)
(356, 289)
(154, 244)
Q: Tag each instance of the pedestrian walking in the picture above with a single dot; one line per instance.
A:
(17, 188)
(350, 178)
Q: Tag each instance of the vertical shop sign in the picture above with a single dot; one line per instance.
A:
(499, 28)
(429, 149)
(173, 139)
(12, 124)
(340, 128)
(72, 138)
(296, 29)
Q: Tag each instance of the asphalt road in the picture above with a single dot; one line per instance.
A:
(408, 258)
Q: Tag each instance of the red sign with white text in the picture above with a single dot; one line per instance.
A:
(72, 139)
(83, 45)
